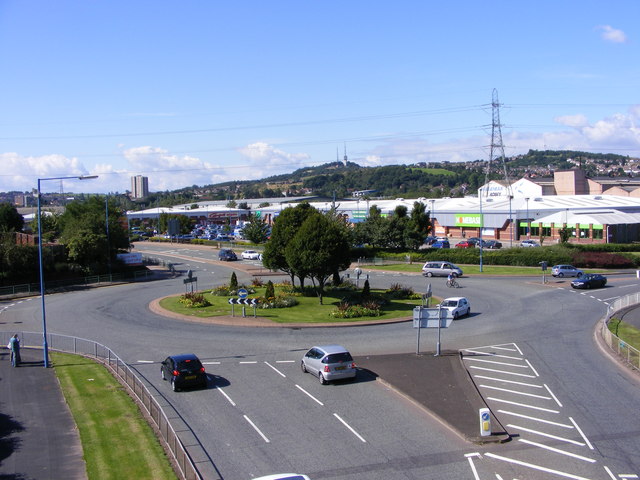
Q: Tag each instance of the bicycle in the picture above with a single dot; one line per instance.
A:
(452, 283)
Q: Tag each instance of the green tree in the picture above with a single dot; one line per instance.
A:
(319, 248)
(257, 230)
(270, 290)
(284, 229)
(10, 219)
(564, 233)
(233, 282)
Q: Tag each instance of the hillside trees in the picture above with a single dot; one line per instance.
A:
(10, 219)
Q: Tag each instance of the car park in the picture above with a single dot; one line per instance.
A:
(440, 269)
(227, 255)
(250, 255)
(184, 370)
(328, 363)
(589, 280)
(529, 243)
(457, 306)
(566, 271)
(464, 244)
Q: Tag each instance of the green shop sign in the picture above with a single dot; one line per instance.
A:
(469, 220)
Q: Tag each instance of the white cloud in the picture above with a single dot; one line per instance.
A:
(611, 34)
(573, 120)
(265, 160)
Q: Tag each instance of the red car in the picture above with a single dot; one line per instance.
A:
(465, 244)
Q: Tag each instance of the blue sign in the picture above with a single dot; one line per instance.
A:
(242, 293)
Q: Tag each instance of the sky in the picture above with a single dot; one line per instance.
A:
(202, 92)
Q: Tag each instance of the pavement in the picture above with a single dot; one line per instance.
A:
(38, 436)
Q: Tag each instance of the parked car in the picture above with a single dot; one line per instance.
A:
(492, 244)
(566, 271)
(457, 306)
(227, 255)
(589, 280)
(430, 240)
(441, 244)
(250, 255)
(184, 370)
(440, 269)
(328, 362)
(529, 243)
(464, 244)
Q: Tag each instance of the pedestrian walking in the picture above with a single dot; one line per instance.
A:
(14, 346)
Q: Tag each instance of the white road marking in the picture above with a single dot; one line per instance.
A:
(535, 419)
(548, 435)
(523, 405)
(551, 393)
(473, 468)
(309, 395)
(211, 363)
(497, 363)
(509, 381)
(581, 433)
(531, 366)
(256, 428)
(610, 473)
(610, 298)
(557, 450)
(285, 361)
(515, 392)
(145, 361)
(502, 371)
(349, 427)
(628, 475)
(245, 363)
(535, 467)
(489, 354)
(276, 370)
(226, 396)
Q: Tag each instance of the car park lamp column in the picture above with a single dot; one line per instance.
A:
(527, 219)
(45, 347)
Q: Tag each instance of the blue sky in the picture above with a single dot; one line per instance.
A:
(201, 92)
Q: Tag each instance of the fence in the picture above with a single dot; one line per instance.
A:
(126, 376)
(630, 354)
(53, 285)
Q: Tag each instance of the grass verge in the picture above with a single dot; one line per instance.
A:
(117, 442)
(627, 333)
(308, 309)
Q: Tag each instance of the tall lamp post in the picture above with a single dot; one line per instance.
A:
(45, 347)
(527, 219)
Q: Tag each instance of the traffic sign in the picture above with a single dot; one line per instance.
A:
(242, 293)
(243, 301)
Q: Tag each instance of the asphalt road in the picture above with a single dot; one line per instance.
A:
(572, 412)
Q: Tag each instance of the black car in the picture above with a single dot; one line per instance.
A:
(492, 244)
(184, 370)
(589, 280)
(227, 255)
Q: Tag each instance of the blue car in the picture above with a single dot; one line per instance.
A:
(441, 244)
(589, 280)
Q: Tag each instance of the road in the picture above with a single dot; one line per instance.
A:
(572, 412)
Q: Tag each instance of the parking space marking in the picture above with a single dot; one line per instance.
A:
(285, 361)
(248, 362)
(535, 419)
(256, 429)
(557, 450)
(309, 395)
(275, 370)
(350, 428)
(489, 354)
(473, 467)
(524, 405)
(610, 472)
(531, 367)
(211, 363)
(226, 396)
(535, 467)
(494, 362)
(581, 433)
(547, 435)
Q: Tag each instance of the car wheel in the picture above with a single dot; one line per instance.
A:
(468, 311)
(323, 381)
(561, 274)
(579, 274)
(303, 367)
(429, 274)
(587, 285)
(455, 315)
(173, 385)
(163, 375)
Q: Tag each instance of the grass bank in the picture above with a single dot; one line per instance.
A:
(117, 441)
(627, 333)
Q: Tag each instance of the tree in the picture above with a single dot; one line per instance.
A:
(10, 219)
(233, 282)
(284, 228)
(257, 230)
(319, 248)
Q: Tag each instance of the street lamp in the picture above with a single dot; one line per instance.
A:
(433, 218)
(42, 290)
(527, 219)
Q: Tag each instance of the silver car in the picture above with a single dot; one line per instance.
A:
(566, 271)
(328, 362)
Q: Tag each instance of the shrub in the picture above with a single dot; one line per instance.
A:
(346, 310)
(257, 282)
(601, 260)
(279, 301)
(233, 283)
(270, 291)
(194, 300)
(400, 292)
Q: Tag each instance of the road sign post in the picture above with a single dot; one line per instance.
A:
(431, 318)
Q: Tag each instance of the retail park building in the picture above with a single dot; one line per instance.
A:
(596, 210)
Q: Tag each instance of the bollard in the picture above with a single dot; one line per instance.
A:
(485, 422)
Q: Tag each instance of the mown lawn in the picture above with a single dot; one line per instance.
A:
(625, 332)
(308, 309)
(117, 442)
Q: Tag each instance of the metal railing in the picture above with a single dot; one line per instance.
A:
(628, 353)
(127, 377)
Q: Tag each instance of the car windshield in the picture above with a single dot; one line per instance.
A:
(449, 303)
(338, 358)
